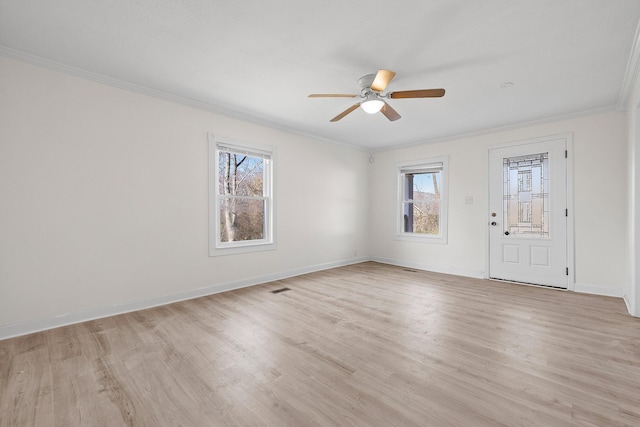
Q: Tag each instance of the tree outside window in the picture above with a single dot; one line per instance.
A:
(422, 200)
(242, 213)
(242, 197)
(422, 203)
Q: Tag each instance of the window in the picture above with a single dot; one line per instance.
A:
(526, 195)
(422, 200)
(241, 199)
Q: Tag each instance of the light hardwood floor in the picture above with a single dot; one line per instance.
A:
(364, 345)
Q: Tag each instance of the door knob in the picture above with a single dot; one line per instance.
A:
(494, 223)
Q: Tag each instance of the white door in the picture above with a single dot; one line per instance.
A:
(528, 213)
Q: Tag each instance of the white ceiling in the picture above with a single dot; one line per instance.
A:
(260, 59)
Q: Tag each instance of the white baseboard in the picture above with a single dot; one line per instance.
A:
(585, 288)
(31, 326)
(630, 307)
(617, 291)
(477, 274)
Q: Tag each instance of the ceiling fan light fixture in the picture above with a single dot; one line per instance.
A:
(372, 96)
(372, 104)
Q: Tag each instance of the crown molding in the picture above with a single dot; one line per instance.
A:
(165, 96)
(631, 73)
(633, 69)
(506, 128)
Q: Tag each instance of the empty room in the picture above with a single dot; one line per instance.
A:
(303, 213)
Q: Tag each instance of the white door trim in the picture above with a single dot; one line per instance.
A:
(568, 137)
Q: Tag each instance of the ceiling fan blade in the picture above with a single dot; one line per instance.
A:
(332, 95)
(422, 93)
(389, 112)
(381, 80)
(345, 112)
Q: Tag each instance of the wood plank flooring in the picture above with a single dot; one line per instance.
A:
(363, 345)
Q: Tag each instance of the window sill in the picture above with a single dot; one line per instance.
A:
(241, 249)
(441, 240)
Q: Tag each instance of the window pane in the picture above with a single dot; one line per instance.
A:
(422, 217)
(242, 219)
(241, 209)
(426, 184)
(526, 195)
(421, 211)
(240, 174)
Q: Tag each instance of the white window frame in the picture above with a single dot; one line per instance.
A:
(416, 166)
(216, 246)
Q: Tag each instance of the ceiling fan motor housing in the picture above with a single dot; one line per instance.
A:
(365, 83)
(372, 98)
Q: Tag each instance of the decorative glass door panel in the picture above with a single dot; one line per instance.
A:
(527, 212)
(526, 196)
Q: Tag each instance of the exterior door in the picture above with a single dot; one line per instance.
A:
(528, 213)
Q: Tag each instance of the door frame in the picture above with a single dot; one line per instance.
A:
(568, 137)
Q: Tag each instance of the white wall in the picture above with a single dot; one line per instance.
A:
(634, 289)
(104, 201)
(103, 197)
(600, 197)
(632, 295)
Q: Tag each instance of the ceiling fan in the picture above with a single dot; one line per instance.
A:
(372, 98)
